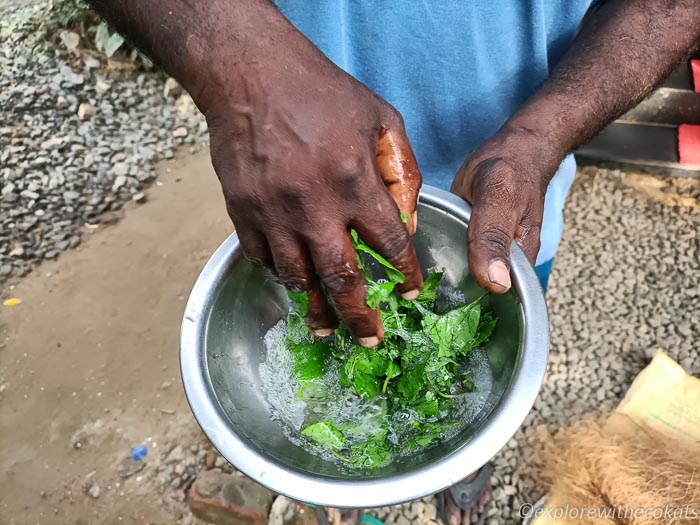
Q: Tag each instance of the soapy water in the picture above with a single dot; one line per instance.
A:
(331, 402)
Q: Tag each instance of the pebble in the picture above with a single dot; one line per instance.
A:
(180, 132)
(67, 117)
(70, 40)
(176, 455)
(86, 111)
(94, 491)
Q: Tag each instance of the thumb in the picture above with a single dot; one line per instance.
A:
(490, 233)
(398, 168)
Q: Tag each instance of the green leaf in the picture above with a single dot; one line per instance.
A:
(427, 294)
(325, 433)
(453, 331)
(112, 44)
(404, 217)
(101, 36)
(394, 275)
(411, 382)
(299, 302)
(310, 359)
(393, 370)
(378, 293)
(372, 453)
(366, 385)
(297, 331)
(311, 390)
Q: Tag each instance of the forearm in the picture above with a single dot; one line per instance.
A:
(621, 54)
(204, 44)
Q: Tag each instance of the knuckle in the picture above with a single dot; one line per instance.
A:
(294, 276)
(340, 280)
(492, 239)
(348, 172)
(495, 180)
(396, 246)
(293, 191)
(392, 118)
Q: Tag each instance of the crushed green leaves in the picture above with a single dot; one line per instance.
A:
(417, 370)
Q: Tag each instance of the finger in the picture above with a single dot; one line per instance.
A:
(256, 249)
(381, 229)
(491, 230)
(398, 169)
(295, 272)
(527, 234)
(336, 265)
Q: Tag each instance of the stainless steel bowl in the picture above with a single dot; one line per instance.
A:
(233, 305)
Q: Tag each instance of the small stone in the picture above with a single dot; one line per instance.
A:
(62, 102)
(176, 455)
(120, 169)
(52, 143)
(210, 460)
(71, 195)
(139, 197)
(28, 194)
(86, 111)
(70, 40)
(92, 63)
(17, 251)
(171, 88)
(102, 86)
(180, 132)
(119, 182)
(68, 75)
(94, 491)
(51, 254)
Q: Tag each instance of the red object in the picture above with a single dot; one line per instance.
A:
(689, 144)
(695, 69)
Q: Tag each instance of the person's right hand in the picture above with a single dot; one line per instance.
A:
(304, 153)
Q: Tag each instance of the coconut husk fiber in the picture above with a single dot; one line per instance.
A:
(613, 464)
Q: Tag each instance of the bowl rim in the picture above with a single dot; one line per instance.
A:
(505, 419)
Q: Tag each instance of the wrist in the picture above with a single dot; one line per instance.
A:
(539, 137)
(245, 56)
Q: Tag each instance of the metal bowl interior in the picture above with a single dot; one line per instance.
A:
(232, 307)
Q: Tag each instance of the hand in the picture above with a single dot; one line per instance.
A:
(304, 153)
(505, 180)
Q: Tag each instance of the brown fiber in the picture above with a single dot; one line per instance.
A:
(611, 463)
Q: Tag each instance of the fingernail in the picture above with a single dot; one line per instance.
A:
(322, 332)
(414, 218)
(410, 295)
(368, 342)
(499, 274)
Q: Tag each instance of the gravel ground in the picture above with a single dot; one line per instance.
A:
(78, 138)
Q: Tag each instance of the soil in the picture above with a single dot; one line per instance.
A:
(88, 372)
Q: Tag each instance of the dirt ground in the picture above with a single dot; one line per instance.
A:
(88, 372)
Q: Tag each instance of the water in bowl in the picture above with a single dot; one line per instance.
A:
(341, 405)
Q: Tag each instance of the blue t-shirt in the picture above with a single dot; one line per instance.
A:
(455, 69)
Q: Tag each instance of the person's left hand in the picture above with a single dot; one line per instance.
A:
(505, 180)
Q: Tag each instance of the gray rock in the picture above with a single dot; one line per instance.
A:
(175, 455)
(68, 75)
(28, 194)
(70, 40)
(94, 491)
(119, 182)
